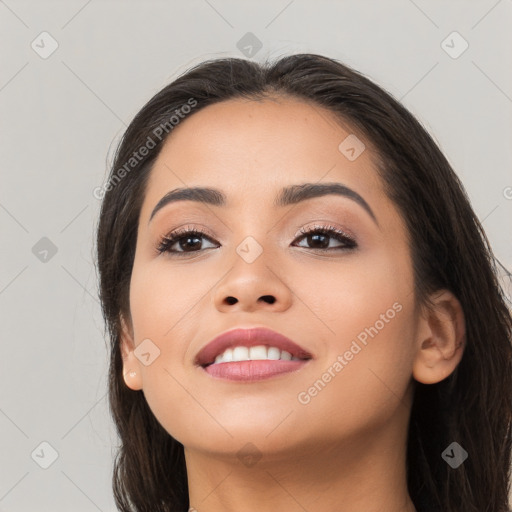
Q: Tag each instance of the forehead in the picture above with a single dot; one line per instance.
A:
(251, 148)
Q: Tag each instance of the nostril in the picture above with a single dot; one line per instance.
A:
(231, 300)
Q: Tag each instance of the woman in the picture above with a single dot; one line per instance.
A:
(303, 308)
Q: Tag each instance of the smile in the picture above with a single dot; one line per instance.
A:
(251, 354)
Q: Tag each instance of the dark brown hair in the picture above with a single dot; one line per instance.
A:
(473, 406)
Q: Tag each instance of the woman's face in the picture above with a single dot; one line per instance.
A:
(350, 305)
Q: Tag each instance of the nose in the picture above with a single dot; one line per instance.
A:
(253, 286)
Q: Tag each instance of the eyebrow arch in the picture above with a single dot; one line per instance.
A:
(287, 196)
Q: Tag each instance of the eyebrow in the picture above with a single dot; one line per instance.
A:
(287, 196)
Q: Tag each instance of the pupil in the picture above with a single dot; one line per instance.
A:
(191, 238)
(316, 237)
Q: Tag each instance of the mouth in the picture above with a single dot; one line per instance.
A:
(251, 354)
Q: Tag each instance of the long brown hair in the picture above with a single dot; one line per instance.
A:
(473, 406)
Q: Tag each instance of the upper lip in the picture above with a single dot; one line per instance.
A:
(248, 338)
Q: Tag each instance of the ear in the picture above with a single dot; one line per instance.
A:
(441, 339)
(132, 370)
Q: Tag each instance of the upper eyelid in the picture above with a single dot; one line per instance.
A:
(339, 214)
(299, 232)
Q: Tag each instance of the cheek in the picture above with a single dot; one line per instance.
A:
(368, 347)
(162, 297)
(362, 384)
(165, 307)
(350, 298)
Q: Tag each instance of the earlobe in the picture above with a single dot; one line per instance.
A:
(441, 339)
(131, 365)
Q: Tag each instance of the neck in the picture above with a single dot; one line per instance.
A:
(364, 473)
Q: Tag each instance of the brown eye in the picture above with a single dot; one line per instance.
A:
(187, 241)
(319, 237)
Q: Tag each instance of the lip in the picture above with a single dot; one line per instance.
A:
(253, 370)
(249, 338)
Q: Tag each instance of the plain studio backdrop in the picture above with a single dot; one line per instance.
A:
(72, 76)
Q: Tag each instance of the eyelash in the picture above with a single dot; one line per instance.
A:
(167, 241)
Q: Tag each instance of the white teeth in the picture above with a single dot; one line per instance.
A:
(241, 354)
(274, 353)
(257, 353)
(286, 356)
(228, 355)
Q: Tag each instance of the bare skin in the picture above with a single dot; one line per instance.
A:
(341, 448)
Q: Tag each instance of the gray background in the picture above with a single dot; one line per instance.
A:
(61, 116)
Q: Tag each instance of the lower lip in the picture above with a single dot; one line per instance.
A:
(252, 370)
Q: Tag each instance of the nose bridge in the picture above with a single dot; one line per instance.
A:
(253, 234)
